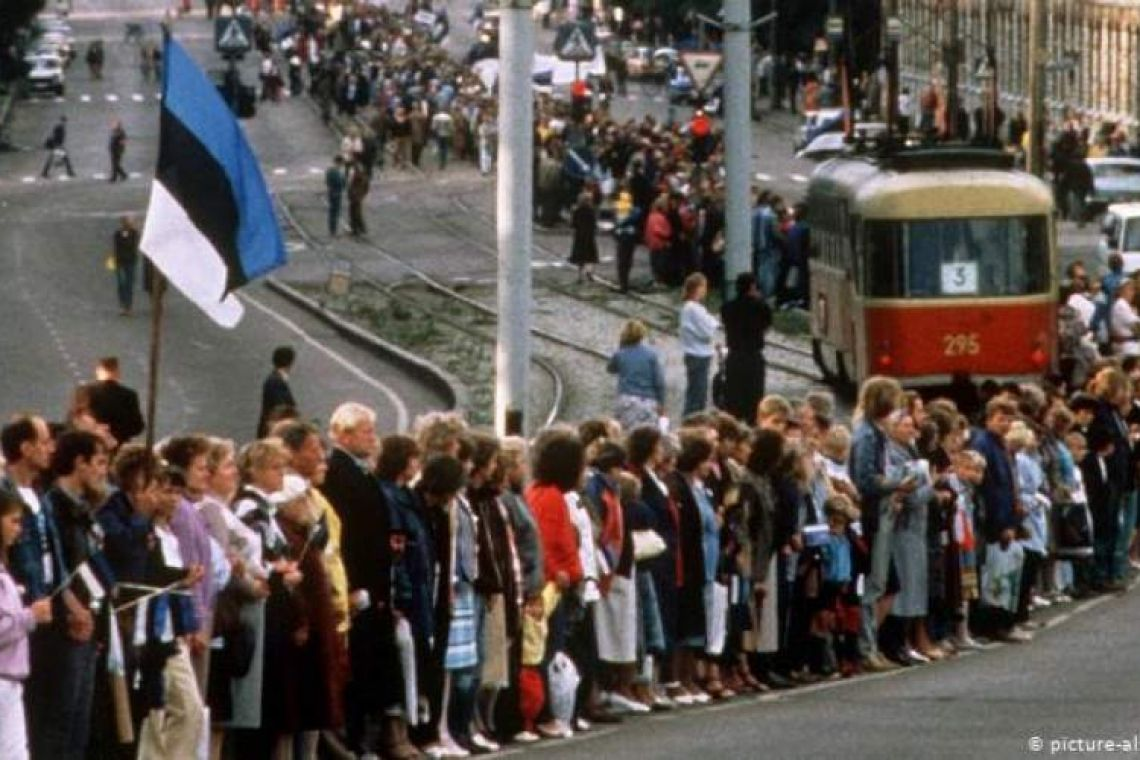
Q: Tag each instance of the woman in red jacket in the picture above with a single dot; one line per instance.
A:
(559, 468)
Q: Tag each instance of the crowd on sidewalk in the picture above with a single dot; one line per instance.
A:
(448, 590)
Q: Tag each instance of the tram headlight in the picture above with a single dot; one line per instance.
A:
(884, 358)
(1039, 357)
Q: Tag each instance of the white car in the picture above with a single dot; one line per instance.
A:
(55, 24)
(1120, 230)
(831, 144)
(47, 75)
(815, 124)
(825, 146)
(42, 52)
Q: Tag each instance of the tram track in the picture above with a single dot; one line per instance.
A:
(358, 273)
(667, 323)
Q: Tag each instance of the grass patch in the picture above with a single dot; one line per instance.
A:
(793, 322)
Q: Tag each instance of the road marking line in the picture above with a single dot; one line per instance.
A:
(98, 175)
(658, 98)
(137, 97)
(84, 98)
(631, 97)
(135, 175)
(59, 99)
(27, 180)
(762, 177)
(280, 170)
(402, 417)
(158, 96)
(112, 97)
(797, 178)
(314, 170)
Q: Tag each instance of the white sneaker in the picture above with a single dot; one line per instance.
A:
(451, 749)
(581, 724)
(701, 698)
(1017, 636)
(684, 699)
(916, 656)
(1041, 602)
(556, 729)
(527, 737)
(623, 703)
(1062, 598)
(482, 742)
(966, 643)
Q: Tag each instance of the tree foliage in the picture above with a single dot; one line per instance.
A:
(14, 15)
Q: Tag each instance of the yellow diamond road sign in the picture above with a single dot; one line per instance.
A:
(702, 67)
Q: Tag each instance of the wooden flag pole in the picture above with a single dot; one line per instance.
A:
(157, 291)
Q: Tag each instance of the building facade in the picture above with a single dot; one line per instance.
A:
(1092, 53)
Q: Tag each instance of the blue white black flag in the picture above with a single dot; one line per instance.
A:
(210, 226)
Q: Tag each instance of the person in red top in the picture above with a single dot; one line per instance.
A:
(559, 468)
(658, 238)
(700, 130)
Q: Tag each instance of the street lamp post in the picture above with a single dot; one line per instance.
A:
(513, 211)
(737, 136)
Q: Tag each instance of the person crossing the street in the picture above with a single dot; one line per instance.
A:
(56, 147)
(117, 145)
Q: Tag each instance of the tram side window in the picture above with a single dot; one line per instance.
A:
(998, 256)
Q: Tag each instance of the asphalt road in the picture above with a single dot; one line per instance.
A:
(58, 311)
(1075, 681)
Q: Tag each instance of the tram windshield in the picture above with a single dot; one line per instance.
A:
(938, 258)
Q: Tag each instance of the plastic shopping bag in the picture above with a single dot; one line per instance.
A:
(1001, 575)
(563, 680)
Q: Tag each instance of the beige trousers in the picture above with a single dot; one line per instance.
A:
(176, 730)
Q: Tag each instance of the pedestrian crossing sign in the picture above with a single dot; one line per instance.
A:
(232, 35)
(573, 43)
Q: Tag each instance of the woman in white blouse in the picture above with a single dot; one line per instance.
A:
(1124, 323)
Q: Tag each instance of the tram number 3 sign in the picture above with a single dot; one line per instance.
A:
(960, 278)
(961, 344)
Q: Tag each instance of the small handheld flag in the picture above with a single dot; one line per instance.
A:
(210, 225)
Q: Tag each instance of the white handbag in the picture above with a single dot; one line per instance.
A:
(647, 544)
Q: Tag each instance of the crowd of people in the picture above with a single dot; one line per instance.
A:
(445, 591)
(659, 183)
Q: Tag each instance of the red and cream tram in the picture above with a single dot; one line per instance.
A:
(935, 266)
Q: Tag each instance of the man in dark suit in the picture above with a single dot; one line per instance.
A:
(114, 404)
(351, 487)
(276, 395)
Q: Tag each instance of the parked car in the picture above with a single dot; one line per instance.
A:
(831, 144)
(1120, 233)
(1115, 180)
(645, 62)
(47, 75)
(817, 123)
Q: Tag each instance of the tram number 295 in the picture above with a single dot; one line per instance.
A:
(961, 344)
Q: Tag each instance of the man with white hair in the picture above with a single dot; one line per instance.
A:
(375, 687)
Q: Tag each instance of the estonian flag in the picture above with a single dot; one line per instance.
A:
(211, 226)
